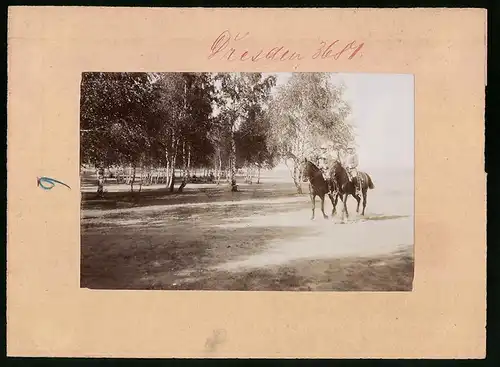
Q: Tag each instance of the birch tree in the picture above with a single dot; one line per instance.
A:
(305, 111)
(237, 94)
(170, 115)
(114, 114)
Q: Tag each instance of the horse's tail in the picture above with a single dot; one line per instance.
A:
(371, 186)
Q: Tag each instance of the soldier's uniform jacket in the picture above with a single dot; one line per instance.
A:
(325, 161)
(352, 161)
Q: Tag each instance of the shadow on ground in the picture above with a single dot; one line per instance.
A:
(191, 194)
(393, 272)
(371, 217)
(156, 257)
(150, 247)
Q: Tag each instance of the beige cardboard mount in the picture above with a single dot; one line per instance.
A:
(49, 315)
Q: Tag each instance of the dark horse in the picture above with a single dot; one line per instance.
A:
(343, 187)
(318, 186)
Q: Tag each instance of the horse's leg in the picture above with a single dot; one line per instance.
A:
(330, 195)
(313, 200)
(358, 199)
(323, 206)
(335, 203)
(344, 200)
(364, 201)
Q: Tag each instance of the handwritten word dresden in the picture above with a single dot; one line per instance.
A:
(229, 48)
(50, 182)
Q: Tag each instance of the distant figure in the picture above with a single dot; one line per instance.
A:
(351, 163)
(100, 182)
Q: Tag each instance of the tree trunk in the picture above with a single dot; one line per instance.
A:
(184, 168)
(219, 169)
(296, 175)
(183, 184)
(172, 165)
(184, 162)
(172, 157)
(100, 182)
(167, 173)
(171, 184)
(171, 177)
(132, 180)
(129, 175)
(142, 178)
(297, 179)
(215, 167)
(188, 168)
(232, 173)
(298, 185)
(150, 176)
(249, 175)
(258, 175)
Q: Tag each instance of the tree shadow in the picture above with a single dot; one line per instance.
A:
(121, 258)
(190, 194)
(213, 214)
(376, 217)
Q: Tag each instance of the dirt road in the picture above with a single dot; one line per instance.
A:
(258, 239)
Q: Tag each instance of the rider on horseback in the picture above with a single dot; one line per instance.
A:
(325, 160)
(351, 164)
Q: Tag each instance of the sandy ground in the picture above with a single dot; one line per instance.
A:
(261, 238)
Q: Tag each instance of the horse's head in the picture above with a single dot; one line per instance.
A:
(309, 169)
(337, 166)
(339, 173)
(305, 167)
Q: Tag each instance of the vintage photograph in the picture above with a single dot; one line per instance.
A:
(247, 181)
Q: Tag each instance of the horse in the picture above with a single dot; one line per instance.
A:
(343, 187)
(318, 186)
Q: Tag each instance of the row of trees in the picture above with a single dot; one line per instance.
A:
(220, 121)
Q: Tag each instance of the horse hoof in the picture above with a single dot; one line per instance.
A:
(325, 216)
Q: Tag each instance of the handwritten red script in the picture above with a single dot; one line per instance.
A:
(229, 48)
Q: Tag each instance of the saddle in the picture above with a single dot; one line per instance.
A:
(353, 173)
(326, 176)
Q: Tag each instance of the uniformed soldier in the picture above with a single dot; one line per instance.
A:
(351, 164)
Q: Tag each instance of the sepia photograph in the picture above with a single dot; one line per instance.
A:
(247, 181)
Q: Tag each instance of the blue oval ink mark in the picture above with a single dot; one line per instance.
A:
(49, 181)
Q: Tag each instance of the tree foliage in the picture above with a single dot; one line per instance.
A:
(220, 120)
(305, 112)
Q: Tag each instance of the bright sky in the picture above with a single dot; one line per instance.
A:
(383, 117)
